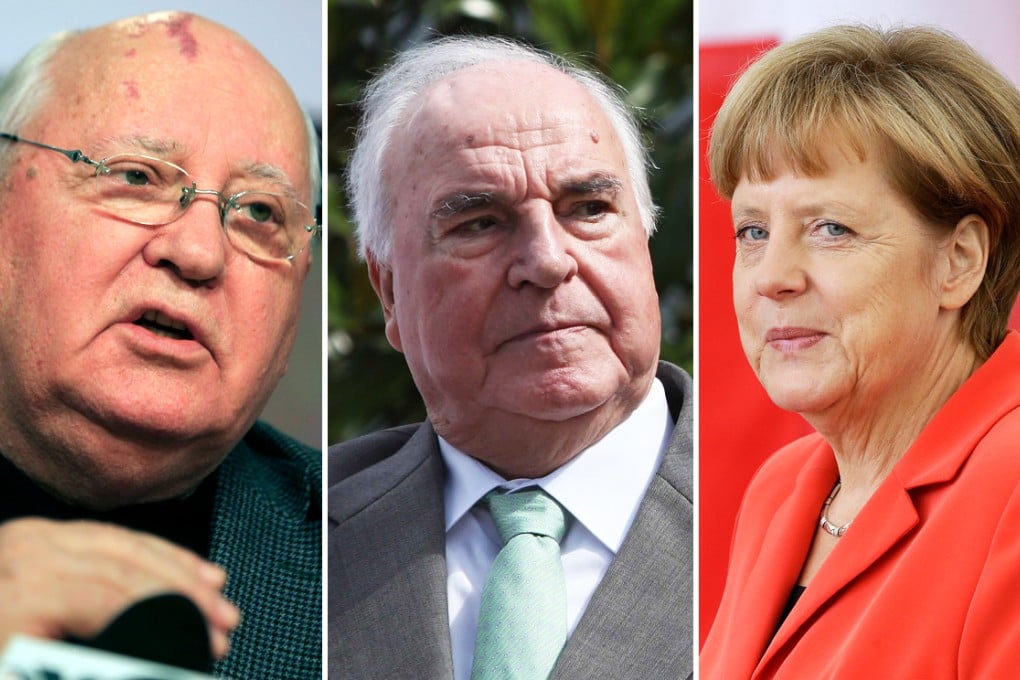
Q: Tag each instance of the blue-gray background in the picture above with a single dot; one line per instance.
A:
(289, 34)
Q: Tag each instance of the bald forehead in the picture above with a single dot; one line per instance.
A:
(506, 128)
(497, 91)
(160, 45)
(516, 104)
(182, 80)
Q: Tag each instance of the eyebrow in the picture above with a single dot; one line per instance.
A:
(273, 173)
(461, 202)
(738, 213)
(166, 148)
(816, 208)
(151, 145)
(456, 204)
(597, 183)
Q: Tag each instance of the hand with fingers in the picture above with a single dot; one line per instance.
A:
(61, 579)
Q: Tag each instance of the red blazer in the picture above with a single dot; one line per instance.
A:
(925, 584)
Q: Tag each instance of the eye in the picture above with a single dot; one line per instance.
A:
(260, 208)
(752, 233)
(136, 177)
(142, 189)
(260, 212)
(590, 209)
(833, 229)
(138, 171)
(134, 174)
(476, 226)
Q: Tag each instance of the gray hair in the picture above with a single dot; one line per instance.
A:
(25, 88)
(387, 104)
(29, 84)
(314, 163)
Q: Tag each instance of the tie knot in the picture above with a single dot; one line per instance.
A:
(531, 511)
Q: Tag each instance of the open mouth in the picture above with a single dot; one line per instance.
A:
(163, 325)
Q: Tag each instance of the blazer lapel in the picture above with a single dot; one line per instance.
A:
(940, 451)
(782, 544)
(638, 623)
(389, 618)
(890, 515)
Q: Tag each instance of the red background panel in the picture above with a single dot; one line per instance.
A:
(739, 426)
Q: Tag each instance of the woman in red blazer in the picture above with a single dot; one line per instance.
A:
(875, 187)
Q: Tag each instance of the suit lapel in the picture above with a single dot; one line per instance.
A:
(387, 571)
(638, 623)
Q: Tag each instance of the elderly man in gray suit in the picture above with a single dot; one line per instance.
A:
(539, 524)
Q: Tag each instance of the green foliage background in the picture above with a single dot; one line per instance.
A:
(645, 45)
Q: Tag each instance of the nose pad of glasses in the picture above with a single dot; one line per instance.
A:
(187, 196)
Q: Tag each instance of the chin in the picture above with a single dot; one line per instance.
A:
(162, 416)
(113, 486)
(560, 395)
(798, 396)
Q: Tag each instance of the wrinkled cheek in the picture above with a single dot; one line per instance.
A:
(750, 344)
(285, 335)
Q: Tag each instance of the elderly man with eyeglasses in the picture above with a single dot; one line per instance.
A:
(155, 182)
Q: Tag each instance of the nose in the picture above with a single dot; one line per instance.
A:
(780, 272)
(542, 250)
(193, 246)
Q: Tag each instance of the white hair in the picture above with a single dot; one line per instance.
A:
(28, 85)
(25, 88)
(387, 106)
(314, 163)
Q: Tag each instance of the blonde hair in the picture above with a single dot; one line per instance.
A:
(946, 124)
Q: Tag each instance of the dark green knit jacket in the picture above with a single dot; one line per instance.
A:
(266, 532)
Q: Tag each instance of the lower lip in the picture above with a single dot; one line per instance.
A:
(547, 336)
(797, 344)
(149, 345)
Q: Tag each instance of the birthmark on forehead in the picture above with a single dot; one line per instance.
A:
(131, 87)
(180, 30)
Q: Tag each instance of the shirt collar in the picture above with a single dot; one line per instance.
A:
(601, 488)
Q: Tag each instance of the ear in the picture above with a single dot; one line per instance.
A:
(381, 277)
(967, 252)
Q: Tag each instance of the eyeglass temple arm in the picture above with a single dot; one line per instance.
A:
(75, 156)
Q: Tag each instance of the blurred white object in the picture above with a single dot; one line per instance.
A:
(28, 658)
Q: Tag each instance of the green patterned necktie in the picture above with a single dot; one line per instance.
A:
(523, 622)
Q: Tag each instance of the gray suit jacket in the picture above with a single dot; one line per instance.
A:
(387, 609)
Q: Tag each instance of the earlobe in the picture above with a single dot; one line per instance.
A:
(968, 258)
(381, 277)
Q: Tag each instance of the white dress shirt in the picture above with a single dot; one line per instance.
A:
(601, 488)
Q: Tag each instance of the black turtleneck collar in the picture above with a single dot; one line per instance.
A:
(185, 521)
